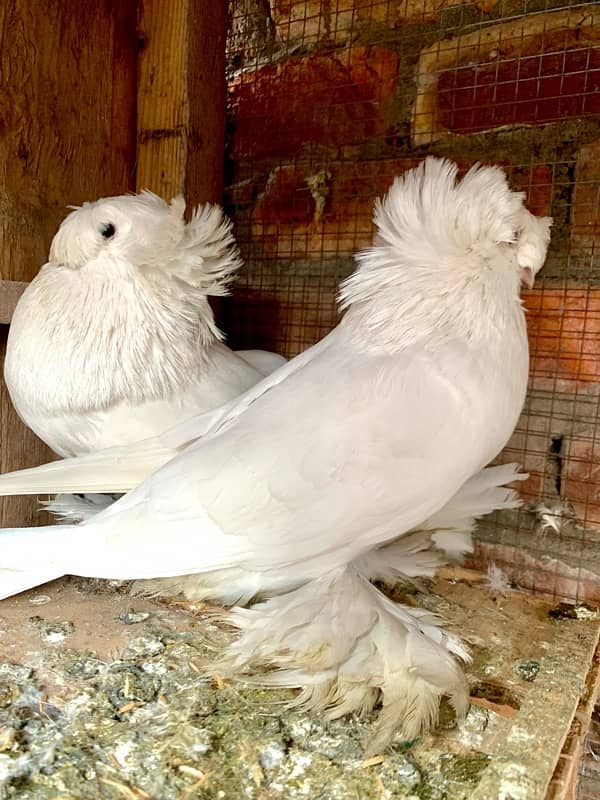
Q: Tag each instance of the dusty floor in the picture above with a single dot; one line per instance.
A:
(102, 696)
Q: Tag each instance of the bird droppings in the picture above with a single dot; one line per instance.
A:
(527, 670)
(39, 600)
(146, 645)
(51, 632)
(133, 617)
(464, 769)
(126, 713)
(570, 611)
(9, 692)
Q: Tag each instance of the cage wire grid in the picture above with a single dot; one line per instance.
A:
(328, 101)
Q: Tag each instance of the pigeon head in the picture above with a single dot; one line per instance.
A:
(141, 229)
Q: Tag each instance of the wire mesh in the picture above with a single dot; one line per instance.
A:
(328, 101)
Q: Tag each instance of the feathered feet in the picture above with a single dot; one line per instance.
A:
(346, 647)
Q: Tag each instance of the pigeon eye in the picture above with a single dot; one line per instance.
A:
(107, 230)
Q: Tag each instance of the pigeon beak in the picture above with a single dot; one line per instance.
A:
(527, 277)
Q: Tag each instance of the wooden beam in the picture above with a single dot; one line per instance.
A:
(10, 291)
(181, 99)
(68, 135)
(68, 118)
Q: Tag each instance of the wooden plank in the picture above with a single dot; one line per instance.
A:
(564, 784)
(530, 754)
(10, 291)
(68, 118)
(181, 99)
(526, 656)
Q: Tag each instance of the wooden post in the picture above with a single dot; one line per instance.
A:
(68, 135)
(181, 99)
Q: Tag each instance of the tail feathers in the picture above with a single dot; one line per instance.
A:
(114, 470)
(31, 556)
(446, 534)
(78, 508)
(483, 493)
(14, 582)
(346, 646)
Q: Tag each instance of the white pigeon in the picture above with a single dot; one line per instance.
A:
(114, 340)
(343, 451)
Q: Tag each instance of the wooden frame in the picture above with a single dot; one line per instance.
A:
(10, 291)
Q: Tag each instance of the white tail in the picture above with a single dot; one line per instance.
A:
(31, 556)
(78, 507)
(485, 492)
(347, 646)
(114, 470)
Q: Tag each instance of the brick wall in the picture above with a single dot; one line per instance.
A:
(329, 100)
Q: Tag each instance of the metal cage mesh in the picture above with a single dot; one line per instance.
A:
(328, 101)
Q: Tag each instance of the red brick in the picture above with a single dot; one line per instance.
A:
(581, 480)
(284, 219)
(332, 100)
(535, 88)
(585, 210)
(564, 337)
(533, 487)
(537, 183)
(396, 12)
(529, 70)
(528, 446)
(285, 319)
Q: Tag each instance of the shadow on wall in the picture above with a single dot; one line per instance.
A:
(251, 319)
